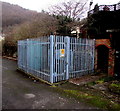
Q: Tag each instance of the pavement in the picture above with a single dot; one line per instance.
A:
(20, 92)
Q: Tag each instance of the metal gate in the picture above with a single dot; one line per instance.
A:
(56, 58)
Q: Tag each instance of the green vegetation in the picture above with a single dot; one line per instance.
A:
(64, 25)
(115, 87)
(89, 96)
(97, 101)
(101, 80)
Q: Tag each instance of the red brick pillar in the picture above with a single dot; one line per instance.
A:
(111, 62)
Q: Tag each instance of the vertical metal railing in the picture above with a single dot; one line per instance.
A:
(56, 58)
(67, 57)
(51, 58)
(83, 57)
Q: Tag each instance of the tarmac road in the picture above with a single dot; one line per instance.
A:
(20, 92)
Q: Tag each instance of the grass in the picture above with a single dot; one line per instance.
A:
(99, 81)
(115, 85)
(88, 96)
(91, 99)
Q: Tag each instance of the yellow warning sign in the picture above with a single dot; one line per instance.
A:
(62, 52)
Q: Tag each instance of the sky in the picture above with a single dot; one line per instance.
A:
(39, 5)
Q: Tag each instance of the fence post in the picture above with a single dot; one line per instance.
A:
(27, 59)
(67, 56)
(93, 46)
(51, 57)
(18, 53)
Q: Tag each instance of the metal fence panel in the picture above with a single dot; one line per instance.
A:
(33, 57)
(56, 58)
(81, 57)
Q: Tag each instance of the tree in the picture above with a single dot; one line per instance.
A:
(71, 9)
(14, 14)
(42, 25)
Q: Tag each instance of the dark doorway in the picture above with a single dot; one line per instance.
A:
(102, 58)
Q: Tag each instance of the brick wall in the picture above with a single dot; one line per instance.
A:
(107, 43)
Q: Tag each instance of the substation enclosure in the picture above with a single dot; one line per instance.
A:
(56, 58)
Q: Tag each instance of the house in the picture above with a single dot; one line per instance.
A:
(75, 31)
(104, 26)
(80, 30)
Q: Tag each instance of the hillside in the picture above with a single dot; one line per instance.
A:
(14, 14)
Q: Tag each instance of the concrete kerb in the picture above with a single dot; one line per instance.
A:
(10, 58)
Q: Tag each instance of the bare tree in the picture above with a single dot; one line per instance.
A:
(73, 9)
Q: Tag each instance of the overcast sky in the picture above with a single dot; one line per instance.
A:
(38, 5)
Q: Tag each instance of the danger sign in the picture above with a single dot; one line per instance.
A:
(62, 52)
